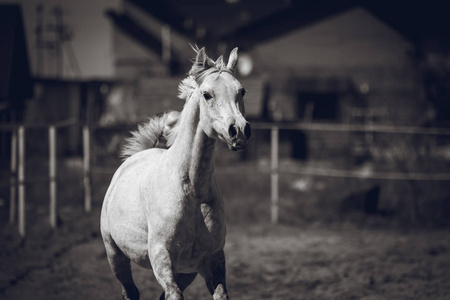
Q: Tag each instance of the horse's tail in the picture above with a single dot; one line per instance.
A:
(150, 133)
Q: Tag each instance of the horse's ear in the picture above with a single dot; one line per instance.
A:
(233, 59)
(199, 62)
(200, 59)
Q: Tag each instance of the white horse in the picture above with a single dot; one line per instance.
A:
(163, 209)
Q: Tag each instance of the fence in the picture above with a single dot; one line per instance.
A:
(275, 171)
(18, 176)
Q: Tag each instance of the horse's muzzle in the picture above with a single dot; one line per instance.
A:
(239, 136)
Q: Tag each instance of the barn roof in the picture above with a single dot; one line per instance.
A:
(249, 22)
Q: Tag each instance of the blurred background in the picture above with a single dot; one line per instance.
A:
(349, 101)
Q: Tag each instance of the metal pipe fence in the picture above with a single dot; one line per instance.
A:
(18, 180)
(18, 152)
(275, 170)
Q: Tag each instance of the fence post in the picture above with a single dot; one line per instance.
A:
(87, 169)
(166, 44)
(21, 179)
(52, 175)
(274, 174)
(13, 178)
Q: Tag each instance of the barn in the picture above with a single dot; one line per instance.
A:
(351, 63)
(342, 193)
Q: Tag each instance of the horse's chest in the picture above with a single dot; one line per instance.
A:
(205, 237)
(208, 230)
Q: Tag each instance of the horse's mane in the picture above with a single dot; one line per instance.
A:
(164, 126)
(150, 133)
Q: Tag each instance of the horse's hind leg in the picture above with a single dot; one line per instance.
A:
(121, 267)
(183, 281)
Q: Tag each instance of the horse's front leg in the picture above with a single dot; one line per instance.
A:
(214, 273)
(163, 270)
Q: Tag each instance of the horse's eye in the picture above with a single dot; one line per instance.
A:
(243, 91)
(207, 95)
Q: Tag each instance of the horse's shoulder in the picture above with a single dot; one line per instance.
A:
(135, 166)
(147, 154)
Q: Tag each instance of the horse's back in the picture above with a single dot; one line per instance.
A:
(123, 218)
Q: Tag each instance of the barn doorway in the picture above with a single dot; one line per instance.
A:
(321, 107)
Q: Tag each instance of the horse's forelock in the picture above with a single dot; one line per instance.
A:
(201, 76)
(199, 71)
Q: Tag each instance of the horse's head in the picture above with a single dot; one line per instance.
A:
(221, 96)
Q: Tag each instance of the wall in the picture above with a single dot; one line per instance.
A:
(353, 38)
(92, 36)
(353, 46)
(132, 60)
(54, 101)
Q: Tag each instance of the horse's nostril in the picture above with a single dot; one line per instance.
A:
(232, 131)
(248, 131)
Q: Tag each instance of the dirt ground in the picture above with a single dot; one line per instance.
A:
(263, 262)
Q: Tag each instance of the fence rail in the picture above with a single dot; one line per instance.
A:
(58, 124)
(274, 157)
(18, 177)
(354, 128)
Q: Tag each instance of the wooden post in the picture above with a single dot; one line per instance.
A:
(13, 178)
(52, 175)
(21, 179)
(274, 174)
(87, 169)
(166, 45)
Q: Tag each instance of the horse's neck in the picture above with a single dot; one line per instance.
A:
(193, 150)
